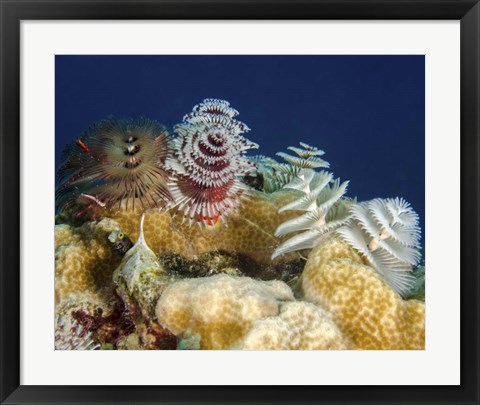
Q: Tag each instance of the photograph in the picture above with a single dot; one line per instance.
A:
(239, 202)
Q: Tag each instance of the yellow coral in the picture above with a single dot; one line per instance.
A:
(299, 326)
(250, 232)
(84, 262)
(220, 308)
(365, 308)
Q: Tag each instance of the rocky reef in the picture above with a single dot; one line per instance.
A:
(177, 290)
(273, 258)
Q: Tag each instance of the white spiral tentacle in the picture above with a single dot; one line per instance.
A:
(317, 200)
(386, 233)
(209, 158)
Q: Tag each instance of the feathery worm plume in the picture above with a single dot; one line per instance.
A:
(386, 233)
(274, 175)
(320, 195)
(117, 162)
(307, 157)
(209, 158)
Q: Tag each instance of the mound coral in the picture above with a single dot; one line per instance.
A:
(116, 162)
(224, 312)
(84, 262)
(363, 306)
(298, 326)
(249, 233)
(209, 151)
(386, 233)
(220, 309)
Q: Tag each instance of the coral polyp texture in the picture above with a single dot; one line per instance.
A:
(226, 312)
(298, 326)
(361, 303)
(249, 233)
(209, 157)
(184, 242)
(220, 309)
(116, 162)
(84, 262)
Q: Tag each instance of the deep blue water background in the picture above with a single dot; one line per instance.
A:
(366, 112)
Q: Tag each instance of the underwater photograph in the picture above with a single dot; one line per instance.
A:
(239, 202)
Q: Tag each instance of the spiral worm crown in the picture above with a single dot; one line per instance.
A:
(209, 157)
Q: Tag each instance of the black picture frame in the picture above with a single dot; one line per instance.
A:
(14, 11)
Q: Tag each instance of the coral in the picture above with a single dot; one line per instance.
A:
(84, 262)
(209, 152)
(223, 284)
(298, 326)
(250, 233)
(224, 312)
(140, 276)
(85, 325)
(386, 233)
(116, 162)
(364, 307)
(221, 309)
(316, 201)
